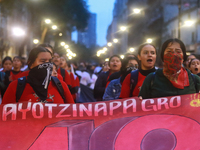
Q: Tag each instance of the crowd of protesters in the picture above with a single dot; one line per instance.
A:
(50, 78)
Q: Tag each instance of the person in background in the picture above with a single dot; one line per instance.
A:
(15, 73)
(38, 86)
(173, 79)
(66, 65)
(24, 65)
(133, 81)
(56, 59)
(7, 64)
(192, 56)
(194, 66)
(113, 89)
(100, 85)
(105, 66)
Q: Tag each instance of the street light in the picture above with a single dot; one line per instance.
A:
(115, 40)
(54, 27)
(136, 10)
(66, 46)
(107, 59)
(109, 44)
(122, 56)
(188, 23)
(62, 43)
(149, 40)
(60, 34)
(123, 28)
(47, 21)
(132, 49)
(105, 49)
(18, 31)
(35, 41)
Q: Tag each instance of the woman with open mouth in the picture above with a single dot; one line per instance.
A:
(133, 81)
(115, 64)
(173, 79)
(194, 66)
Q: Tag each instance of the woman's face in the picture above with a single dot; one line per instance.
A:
(115, 64)
(174, 48)
(56, 59)
(17, 63)
(195, 66)
(189, 59)
(63, 62)
(43, 57)
(106, 67)
(7, 65)
(147, 57)
(133, 63)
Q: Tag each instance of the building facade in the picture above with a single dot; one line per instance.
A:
(88, 36)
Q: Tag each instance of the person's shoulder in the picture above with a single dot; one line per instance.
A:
(13, 84)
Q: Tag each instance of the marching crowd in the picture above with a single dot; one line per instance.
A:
(50, 78)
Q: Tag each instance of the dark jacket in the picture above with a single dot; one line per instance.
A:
(100, 85)
(157, 85)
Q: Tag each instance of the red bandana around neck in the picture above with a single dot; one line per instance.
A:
(174, 71)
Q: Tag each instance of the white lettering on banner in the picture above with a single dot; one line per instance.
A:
(88, 110)
(173, 99)
(59, 115)
(41, 112)
(151, 102)
(37, 110)
(126, 106)
(74, 110)
(12, 111)
(174, 102)
(162, 101)
(97, 109)
(50, 111)
(24, 111)
(112, 107)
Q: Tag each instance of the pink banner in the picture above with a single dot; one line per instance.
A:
(159, 123)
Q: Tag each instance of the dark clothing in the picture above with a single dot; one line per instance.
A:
(100, 85)
(115, 75)
(157, 85)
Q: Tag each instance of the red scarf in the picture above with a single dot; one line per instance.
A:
(174, 71)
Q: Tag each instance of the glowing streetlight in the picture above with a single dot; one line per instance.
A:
(132, 49)
(188, 23)
(60, 34)
(105, 49)
(149, 40)
(122, 56)
(109, 44)
(54, 27)
(70, 57)
(136, 11)
(62, 43)
(66, 46)
(115, 40)
(35, 41)
(74, 55)
(123, 28)
(47, 21)
(107, 59)
(18, 31)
